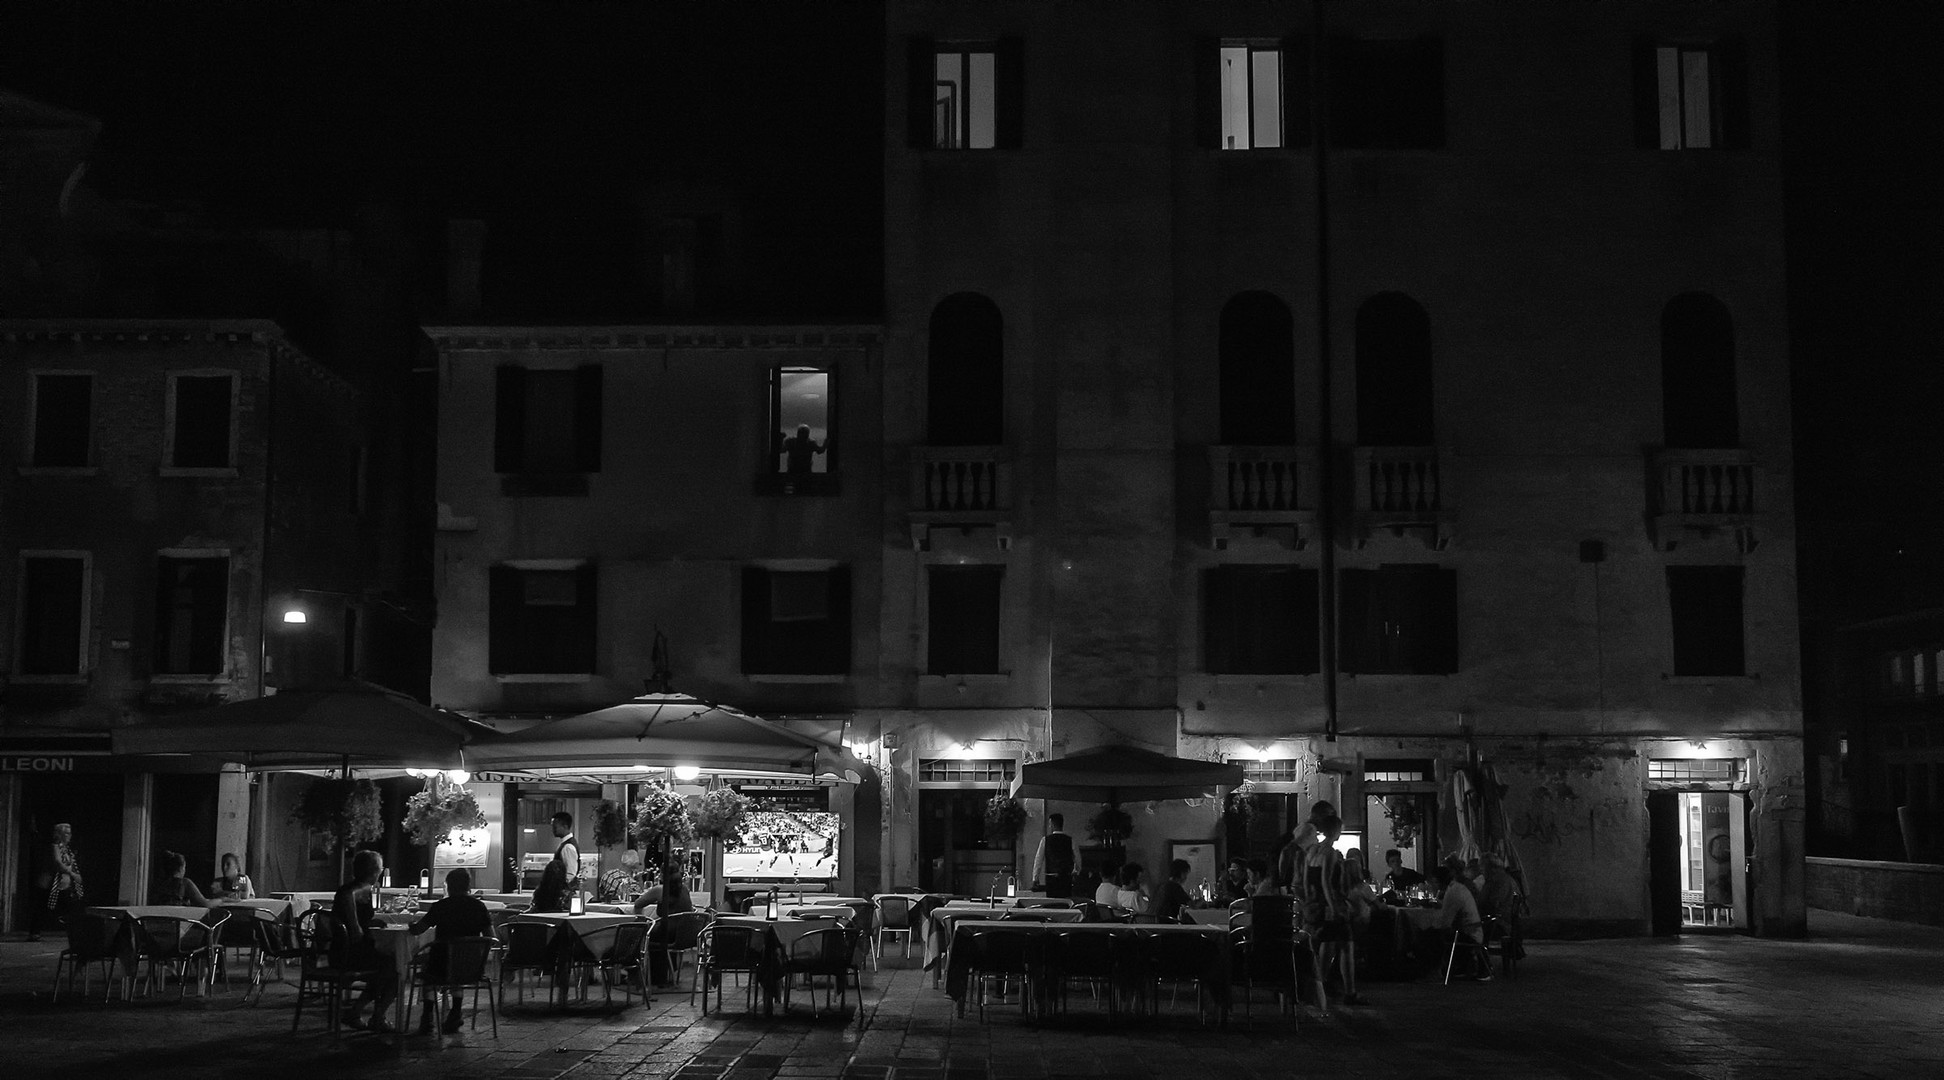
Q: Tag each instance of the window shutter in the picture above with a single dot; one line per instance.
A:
(587, 612)
(1706, 605)
(837, 638)
(1646, 95)
(1009, 93)
(1425, 108)
(921, 79)
(1298, 129)
(1218, 617)
(1304, 630)
(1437, 636)
(587, 418)
(1731, 91)
(755, 620)
(1208, 92)
(509, 418)
(504, 601)
(1351, 101)
(1358, 647)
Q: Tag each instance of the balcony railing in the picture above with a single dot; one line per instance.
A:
(1262, 488)
(960, 480)
(1401, 488)
(1705, 492)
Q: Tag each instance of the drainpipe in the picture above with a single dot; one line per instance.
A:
(1325, 429)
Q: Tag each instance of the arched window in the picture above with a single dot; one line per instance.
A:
(1393, 372)
(1698, 408)
(965, 396)
(1257, 356)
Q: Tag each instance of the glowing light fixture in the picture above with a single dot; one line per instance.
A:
(295, 616)
(687, 772)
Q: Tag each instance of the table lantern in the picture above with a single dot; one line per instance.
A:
(576, 905)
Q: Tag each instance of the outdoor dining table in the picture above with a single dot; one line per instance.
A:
(128, 914)
(1397, 936)
(567, 930)
(940, 921)
(777, 935)
(301, 902)
(1215, 978)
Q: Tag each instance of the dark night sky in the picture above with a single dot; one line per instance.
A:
(559, 113)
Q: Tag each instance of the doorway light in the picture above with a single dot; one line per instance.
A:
(687, 772)
(295, 616)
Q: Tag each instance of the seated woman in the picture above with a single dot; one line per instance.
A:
(234, 884)
(355, 908)
(458, 914)
(671, 897)
(173, 888)
(1131, 896)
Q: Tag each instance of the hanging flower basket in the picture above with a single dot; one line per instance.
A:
(610, 824)
(662, 821)
(1111, 826)
(719, 814)
(1406, 819)
(438, 810)
(344, 812)
(1004, 817)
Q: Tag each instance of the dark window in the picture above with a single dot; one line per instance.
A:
(1398, 620)
(541, 622)
(1698, 397)
(547, 428)
(1394, 403)
(691, 257)
(202, 421)
(1690, 96)
(191, 615)
(800, 417)
(965, 97)
(1257, 351)
(1259, 620)
(53, 601)
(63, 419)
(966, 373)
(1706, 602)
(963, 632)
(796, 622)
(1387, 95)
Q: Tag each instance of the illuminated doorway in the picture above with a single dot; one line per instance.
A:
(1697, 846)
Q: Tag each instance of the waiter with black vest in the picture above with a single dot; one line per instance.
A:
(1053, 863)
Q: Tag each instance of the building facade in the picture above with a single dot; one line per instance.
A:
(1296, 384)
(168, 484)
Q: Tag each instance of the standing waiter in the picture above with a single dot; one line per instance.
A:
(1053, 863)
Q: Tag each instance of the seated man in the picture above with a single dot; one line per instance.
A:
(1401, 878)
(1235, 881)
(1168, 907)
(1460, 912)
(458, 914)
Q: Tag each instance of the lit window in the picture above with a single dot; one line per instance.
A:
(1687, 111)
(962, 105)
(800, 412)
(1252, 97)
(965, 770)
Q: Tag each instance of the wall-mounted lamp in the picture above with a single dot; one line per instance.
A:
(295, 616)
(1262, 755)
(687, 772)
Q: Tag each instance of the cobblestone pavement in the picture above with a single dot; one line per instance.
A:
(1859, 998)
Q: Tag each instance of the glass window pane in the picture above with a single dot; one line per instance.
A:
(803, 421)
(979, 106)
(946, 122)
(1235, 98)
(1698, 116)
(1267, 80)
(1667, 63)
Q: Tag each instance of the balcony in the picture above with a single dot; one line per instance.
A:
(964, 487)
(1401, 489)
(1263, 490)
(1704, 493)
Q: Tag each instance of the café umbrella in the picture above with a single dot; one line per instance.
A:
(1117, 774)
(340, 724)
(666, 731)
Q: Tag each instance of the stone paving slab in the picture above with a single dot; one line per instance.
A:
(1859, 998)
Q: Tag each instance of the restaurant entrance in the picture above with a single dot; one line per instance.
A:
(1698, 861)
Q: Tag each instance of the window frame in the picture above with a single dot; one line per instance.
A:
(1008, 92)
(85, 623)
(1252, 96)
(1302, 579)
(34, 431)
(759, 647)
(1728, 89)
(170, 423)
(501, 664)
(586, 442)
(157, 653)
(968, 571)
(773, 477)
(1367, 589)
(1678, 621)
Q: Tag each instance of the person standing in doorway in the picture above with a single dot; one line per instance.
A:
(57, 883)
(1053, 862)
(800, 451)
(561, 879)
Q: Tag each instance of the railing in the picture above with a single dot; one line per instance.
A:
(1262, 479)
(1398, 481)
(1706, 483)
(960, 480)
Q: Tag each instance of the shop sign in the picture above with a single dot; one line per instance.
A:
(508, 778)
(54, 763)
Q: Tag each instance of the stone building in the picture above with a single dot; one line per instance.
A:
(1358, 391)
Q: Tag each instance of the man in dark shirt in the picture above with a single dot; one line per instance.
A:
(1174, 893)
(1053, 863)
(458, 914)
(1401, 877)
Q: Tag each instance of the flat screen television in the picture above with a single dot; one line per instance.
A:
(784, 846)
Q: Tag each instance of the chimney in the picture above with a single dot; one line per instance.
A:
(465, 241)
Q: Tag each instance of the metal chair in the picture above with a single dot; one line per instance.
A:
(94, 939)
(454, 966)
(1089, 956)
(677, 936)
(823, 953)
(530, 946)
(239, 932)
(728, 948)
(628, 959)
(1175, 959)
(1095, 912)
(894, 916)
(175, 945)
(1479, 956)
(1045, 902)
(318, 978)
(1005, 955)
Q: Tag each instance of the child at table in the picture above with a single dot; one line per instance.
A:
(458, 914)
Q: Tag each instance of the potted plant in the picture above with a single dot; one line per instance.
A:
(1406, 819)
(439, 809)
(610, 824)
(344, 812)
(662, 821)
(1110, 826)
(719, 813)
(1004, 817)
